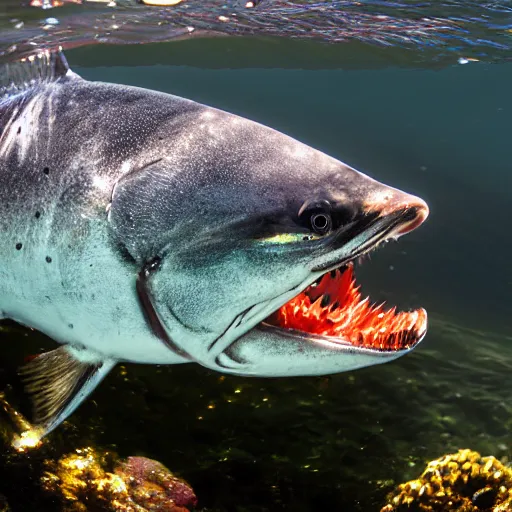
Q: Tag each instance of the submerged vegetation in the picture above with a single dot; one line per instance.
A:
(281, 444)
(463, 482)
(82, 482)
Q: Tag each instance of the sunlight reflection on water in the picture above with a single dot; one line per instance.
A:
(431, 30)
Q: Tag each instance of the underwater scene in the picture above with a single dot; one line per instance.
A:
(184, 322)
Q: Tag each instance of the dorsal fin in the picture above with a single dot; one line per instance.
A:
(44, 67)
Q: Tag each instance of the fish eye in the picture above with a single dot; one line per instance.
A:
(321, 222)
(316, 216)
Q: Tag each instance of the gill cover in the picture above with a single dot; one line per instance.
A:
(202, 269)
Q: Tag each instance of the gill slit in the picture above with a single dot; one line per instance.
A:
(149, 310)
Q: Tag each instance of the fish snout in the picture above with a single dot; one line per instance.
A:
(413, 210)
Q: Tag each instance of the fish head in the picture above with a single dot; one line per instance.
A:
(248, 238)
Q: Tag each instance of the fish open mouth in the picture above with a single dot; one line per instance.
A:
(324, 325)
(334, 308)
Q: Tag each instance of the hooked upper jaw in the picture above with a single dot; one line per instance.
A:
(416, 208)
(387, 201)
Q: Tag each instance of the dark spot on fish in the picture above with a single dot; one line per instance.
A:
(333, 274)
(48, 259)
(46, 170)
(336, 305)
(38, 214)
(70, 326)
(19, 246)
(19, 130)
(90, 265)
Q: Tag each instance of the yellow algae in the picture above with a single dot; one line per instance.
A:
(461, 482)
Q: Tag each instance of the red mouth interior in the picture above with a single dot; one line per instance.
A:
(334, 307)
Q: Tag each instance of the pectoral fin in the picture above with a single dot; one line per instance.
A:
(58, 382)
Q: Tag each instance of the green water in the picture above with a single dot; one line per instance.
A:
(340, 442)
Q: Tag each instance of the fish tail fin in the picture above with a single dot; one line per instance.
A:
(58, 382)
